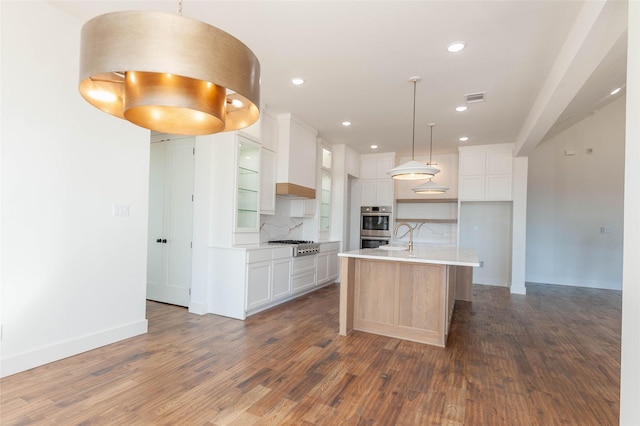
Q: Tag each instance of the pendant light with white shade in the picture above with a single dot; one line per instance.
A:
(413, 170)
(430, 187)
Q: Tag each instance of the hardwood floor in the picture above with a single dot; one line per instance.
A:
(552, 357)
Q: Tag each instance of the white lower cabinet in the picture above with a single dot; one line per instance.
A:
(303, 273)
(258, 284)
(322, 270)
(327, 264)
(281, 282)
(247, 281)
(268, 276)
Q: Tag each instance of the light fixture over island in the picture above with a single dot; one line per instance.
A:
(406, 294)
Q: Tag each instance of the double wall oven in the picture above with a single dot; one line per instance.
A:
(375, 226)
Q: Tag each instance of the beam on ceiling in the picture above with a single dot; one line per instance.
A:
(594, 32)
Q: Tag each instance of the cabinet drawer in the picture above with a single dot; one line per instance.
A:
(258, 255)
(303, 281)
(303, 264)
(325, 247)
(282, 252)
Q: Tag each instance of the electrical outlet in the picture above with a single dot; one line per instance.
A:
(482, 263)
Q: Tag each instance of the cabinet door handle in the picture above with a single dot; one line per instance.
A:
(164, 241)
(158, 240)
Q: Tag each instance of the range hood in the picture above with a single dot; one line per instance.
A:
(297, 168)
(291, 190)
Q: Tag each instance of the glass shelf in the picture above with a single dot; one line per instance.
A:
(325, 200)
(248, 185)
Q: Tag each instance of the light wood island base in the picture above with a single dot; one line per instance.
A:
(402, 299)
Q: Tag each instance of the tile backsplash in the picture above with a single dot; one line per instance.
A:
(280, 226)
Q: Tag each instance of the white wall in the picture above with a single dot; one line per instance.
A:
(345, 164)
(73, 275)
(630, 367)
(570, 198)
(519, 225)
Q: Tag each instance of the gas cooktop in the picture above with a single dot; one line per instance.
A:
(290, 242)
(300, 247)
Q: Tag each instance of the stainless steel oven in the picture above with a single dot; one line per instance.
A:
(373, 242)
(375, 221)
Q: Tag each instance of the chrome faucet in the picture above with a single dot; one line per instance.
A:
(395, 233)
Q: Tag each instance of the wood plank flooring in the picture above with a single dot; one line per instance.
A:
(552, 357)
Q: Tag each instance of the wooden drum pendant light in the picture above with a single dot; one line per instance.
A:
(169, 73)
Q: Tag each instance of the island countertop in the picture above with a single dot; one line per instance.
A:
(438, 255)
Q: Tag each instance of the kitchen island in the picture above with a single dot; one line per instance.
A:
(404, 294)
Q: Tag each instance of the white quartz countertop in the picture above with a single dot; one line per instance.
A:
(265, 245)
(440, 255)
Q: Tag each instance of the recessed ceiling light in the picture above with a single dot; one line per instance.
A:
(346, 123)
(461, 108)
(297, 81)
(613, 92)
(456, 46)
(374, 146)
(463, 139)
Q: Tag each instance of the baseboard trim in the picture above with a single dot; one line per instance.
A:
(28, 360)
(597, 284)
(198, 308)
(518, 290)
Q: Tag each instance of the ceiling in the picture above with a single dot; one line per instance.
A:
(544, 65)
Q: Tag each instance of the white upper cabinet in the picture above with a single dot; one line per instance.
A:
(267, 181)
(377, 185)
(247, 185)
(486, 173)
(269, 131)
(235, 188)
(375, 166)
(268, 163)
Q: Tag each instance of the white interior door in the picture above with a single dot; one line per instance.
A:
(170, 221)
